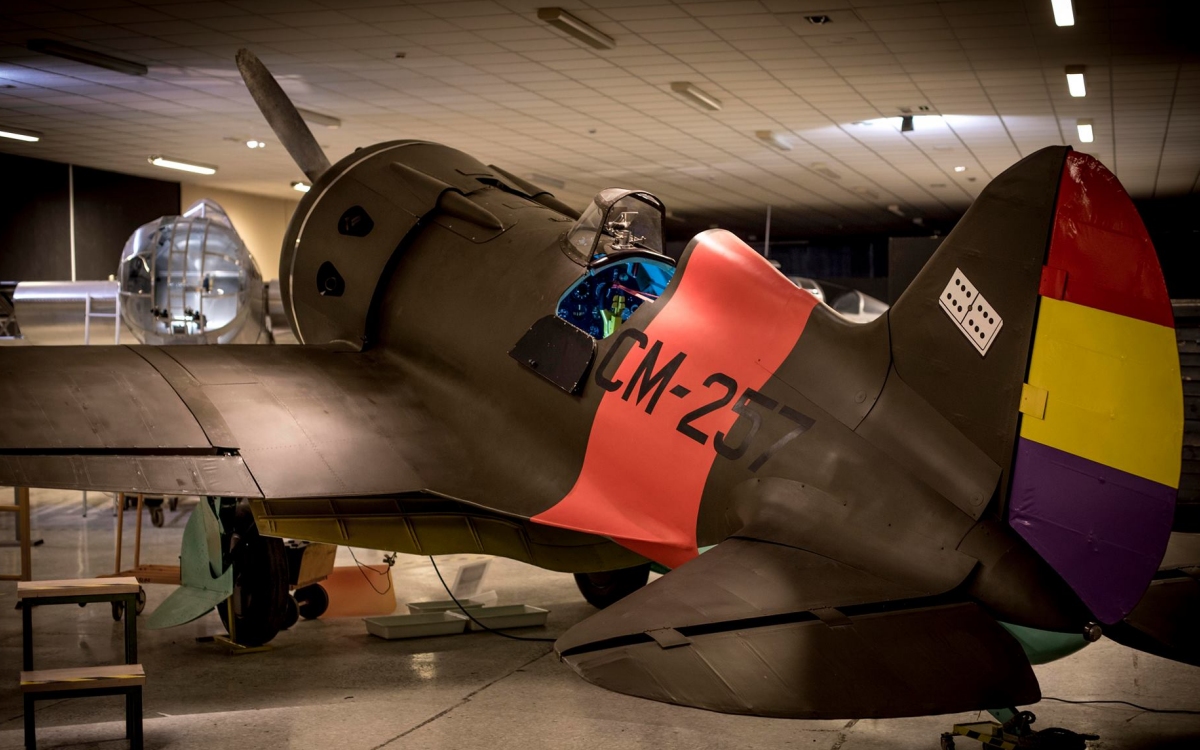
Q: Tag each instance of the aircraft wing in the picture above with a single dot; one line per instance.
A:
(238, 421)
(758, 628)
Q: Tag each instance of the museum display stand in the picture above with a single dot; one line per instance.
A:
(121, 679)
(167, 574)
(24, 538)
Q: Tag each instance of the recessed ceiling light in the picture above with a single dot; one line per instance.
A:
(316, 118)
(255, 144)
(1084, 126)
(696, 95)
(819, 19)
(773, 139)
(186, 166)
(86, 56)
(302, 187)
(1075, 82)
(565, 22)
(1064, 14)
(960, 169)
(20, 134)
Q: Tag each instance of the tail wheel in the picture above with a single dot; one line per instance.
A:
(609, 587)
(260, 582)
(312, 601)
(293, 614)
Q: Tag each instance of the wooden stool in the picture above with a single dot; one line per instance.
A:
(84, 682)
(121, 679)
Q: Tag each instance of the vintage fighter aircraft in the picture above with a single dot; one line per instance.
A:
(899, 512)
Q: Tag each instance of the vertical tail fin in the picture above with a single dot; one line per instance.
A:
(1042, 329)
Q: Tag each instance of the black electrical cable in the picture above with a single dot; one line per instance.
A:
(472, 617)
(1125, 703)
(363, 569)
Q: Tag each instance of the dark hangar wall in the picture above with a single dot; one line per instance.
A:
(35, 240)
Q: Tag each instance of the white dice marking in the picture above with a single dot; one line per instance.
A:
(976, 318)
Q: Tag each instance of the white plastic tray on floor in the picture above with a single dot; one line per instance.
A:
(510, 616)
(443, 605)
(393, 627)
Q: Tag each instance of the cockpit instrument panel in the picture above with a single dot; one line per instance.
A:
(604, 298)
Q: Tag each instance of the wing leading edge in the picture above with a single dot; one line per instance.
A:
(235, 421)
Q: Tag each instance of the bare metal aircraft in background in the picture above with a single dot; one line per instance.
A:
(899, 516)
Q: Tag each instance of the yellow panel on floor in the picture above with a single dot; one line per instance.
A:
(1114, 393)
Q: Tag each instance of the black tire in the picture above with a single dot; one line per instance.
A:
(156, 516)
(611, 586)
(141, 600)
(293, 614)
(312, 601)
(260, 582)
(118, 611)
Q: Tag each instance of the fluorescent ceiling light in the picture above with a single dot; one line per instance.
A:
(186, 166)
(316, 118)
(696, 95)
(86, 56)
(773, 139)
(20, 134)
(1064, 14)
(823, 169)
(1084, 126)
(1075, 82)
(960, 169)
(255, 144)
(564, 21)
(302, 187)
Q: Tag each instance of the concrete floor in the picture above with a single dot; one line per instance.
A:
(330, 684)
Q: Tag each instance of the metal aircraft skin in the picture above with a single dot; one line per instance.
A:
(897, 507)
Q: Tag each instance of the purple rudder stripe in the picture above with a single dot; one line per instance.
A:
(1102, 529)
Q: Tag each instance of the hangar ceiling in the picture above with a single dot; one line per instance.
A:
(984, 79)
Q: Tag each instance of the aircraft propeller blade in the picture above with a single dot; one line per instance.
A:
(282, 116)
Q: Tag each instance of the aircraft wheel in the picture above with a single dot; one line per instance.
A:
(293, 614)
(312, 601)
(118, 608)
(609, 587)
(156, 516)
(260, 582)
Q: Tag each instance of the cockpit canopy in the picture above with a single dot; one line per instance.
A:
(617, 221)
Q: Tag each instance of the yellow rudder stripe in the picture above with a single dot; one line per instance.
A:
(1114, 392)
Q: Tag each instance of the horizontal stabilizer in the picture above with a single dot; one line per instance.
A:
(758, 628)
(1164, 621)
